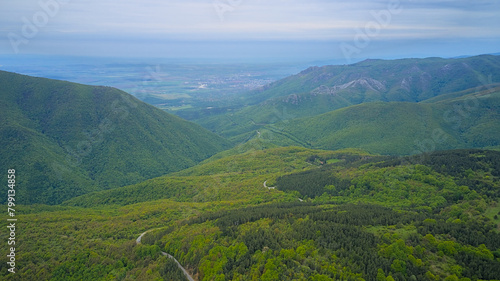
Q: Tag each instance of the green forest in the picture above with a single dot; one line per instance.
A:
(69, 139)
(377, 171)
(363, 219)
(343, 215)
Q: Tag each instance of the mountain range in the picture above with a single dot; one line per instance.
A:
(71, 139)
(380, 170)
(319, 90)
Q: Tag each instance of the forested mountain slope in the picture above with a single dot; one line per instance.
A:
(333, 215)
(66, 139)
(428, 217)
(319, 90)
(399, 128)
(236, 177)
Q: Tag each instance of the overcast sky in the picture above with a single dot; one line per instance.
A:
(315, 29)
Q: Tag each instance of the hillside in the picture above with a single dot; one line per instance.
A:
(235, 177)
(66, 139)
(333, 215)
(396, 219)
(319, 90)
(400, 128)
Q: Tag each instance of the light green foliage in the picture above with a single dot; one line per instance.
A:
(430, 276)
(449, 248)
(381, 275)
(236, 177)
(398, 266)
(68, 243)
(430, 239)
(451, 278)
(241, 232)
(397, 250)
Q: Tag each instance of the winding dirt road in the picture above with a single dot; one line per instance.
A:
(269, 187)
(138, 241)
(274, 187)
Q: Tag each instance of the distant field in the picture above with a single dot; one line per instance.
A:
(172, 96)
(170, 85)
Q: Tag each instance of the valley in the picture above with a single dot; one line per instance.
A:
(381, 170)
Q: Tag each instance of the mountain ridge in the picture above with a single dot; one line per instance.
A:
(397, 127)
(318, 90)
(74, 138)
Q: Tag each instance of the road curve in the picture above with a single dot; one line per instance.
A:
(269, 187)
(274, 187)
(138, 241)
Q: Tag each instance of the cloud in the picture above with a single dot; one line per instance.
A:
(334, 20)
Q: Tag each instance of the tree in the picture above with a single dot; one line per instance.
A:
(398, 266)
(381, 275)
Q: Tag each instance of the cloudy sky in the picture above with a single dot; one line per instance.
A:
(311, 29)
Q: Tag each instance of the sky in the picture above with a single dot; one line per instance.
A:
(250, 29)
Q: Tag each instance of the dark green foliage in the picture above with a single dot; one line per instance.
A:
(170, 271)
(478, 262)
(478, 267)
(397, 219)
(333, 215)
(472, 233)
(362, 214)
(475, 168)
(457, 162)
(68, 139)
(227, 219)
(323, 230)
(313, 183)
(227, 178)
(356, 247)
(381, 179)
